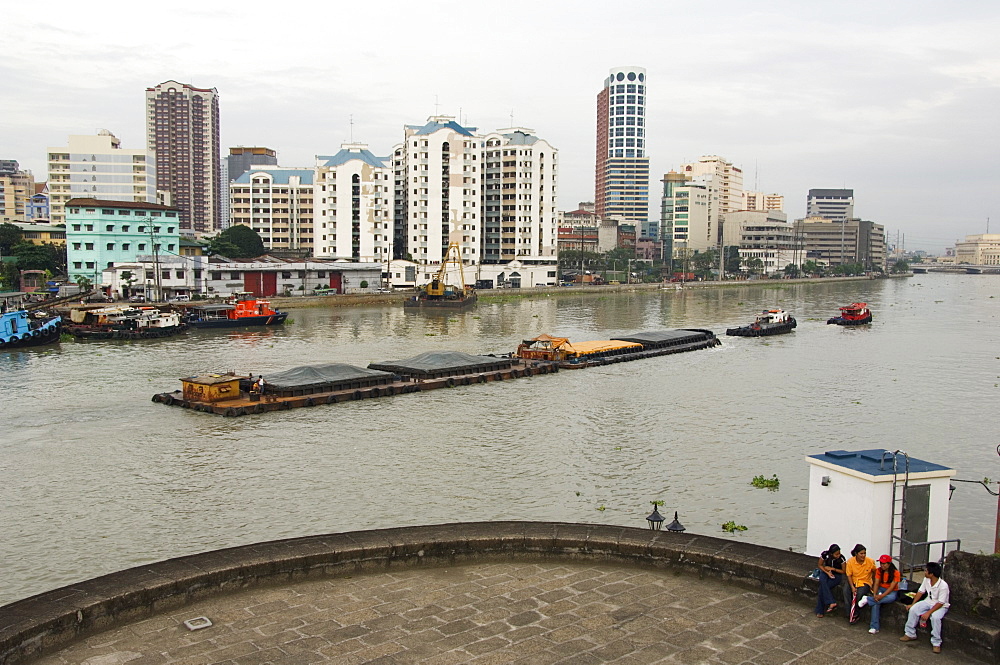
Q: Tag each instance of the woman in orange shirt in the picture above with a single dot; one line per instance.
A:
(860, 571)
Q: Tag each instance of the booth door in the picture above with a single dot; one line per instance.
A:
(915, 519)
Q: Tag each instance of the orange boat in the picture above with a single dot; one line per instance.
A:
(855, 314)
(242, 310)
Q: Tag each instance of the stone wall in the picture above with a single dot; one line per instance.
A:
(974, 581)
(51, 620)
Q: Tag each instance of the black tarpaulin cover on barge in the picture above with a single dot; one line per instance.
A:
(442, 363)
(660, 338)
(324, 378)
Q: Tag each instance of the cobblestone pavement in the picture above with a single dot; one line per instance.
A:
(535, 613)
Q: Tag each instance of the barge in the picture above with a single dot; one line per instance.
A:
(20, 327)
(230, 394)
(124, 322)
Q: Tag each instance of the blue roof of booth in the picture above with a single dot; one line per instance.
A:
(870, 462)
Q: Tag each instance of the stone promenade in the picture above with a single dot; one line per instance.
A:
(505, 612)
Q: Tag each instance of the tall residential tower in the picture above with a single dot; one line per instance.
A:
(182, 133)
(622, 170)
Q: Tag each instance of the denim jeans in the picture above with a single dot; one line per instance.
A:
(826, 586)
(876, 607)
(914, 616)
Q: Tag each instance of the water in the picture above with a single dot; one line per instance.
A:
(94, 477)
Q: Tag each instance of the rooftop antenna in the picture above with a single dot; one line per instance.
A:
(436, 105)
(987, 224)
(512, 117)
(352, 127)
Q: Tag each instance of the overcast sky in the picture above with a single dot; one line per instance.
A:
(898, 100)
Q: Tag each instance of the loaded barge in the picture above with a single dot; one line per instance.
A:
(230, 394)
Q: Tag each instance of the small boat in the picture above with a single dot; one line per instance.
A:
(241, 310)
(768, 322)
(124, 322)
(21, 328)
(855, 314)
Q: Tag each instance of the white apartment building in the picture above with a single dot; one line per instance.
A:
(277, 203)
(692, 222)
(729, 180)
(761, 201)
(97, 167)
(437, 184)
(519, 219)
(763, 235)
(354, 207)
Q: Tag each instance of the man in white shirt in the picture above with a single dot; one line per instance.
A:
(932, 608)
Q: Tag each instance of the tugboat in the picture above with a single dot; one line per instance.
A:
(21, 328)
(124, 323)
(241, 310)
(855, 314)
(768, 322)
(439, 294)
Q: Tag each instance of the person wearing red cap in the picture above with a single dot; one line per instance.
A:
(886, 589)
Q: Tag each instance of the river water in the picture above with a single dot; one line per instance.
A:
(94, 477)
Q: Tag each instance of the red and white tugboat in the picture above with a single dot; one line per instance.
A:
(768, 322)
(855, 314)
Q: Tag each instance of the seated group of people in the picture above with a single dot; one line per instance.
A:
(874, 585)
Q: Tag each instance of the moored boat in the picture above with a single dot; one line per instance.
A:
(124, 322)
(21, 328)
(438, 294)
(855, 314)
(768, 322)
(241, 310)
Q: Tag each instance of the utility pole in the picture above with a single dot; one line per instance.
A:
(157, 278)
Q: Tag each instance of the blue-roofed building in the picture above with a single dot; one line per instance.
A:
(438, 183)
(277, 203)
(353, 201)
(520, 199)
(851, 500)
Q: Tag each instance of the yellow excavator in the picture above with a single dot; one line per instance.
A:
(438, 293)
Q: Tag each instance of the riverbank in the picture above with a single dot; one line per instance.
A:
(363, 299)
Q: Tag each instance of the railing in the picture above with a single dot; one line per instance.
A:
(917, 554)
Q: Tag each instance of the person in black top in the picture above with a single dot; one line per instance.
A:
(831, 573)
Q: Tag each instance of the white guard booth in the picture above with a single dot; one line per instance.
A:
(851, 500)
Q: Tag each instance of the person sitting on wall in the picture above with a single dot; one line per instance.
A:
(831, 573)
(932, 608)
(886, 585)
(860, 572)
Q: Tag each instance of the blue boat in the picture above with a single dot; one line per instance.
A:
(19, 328)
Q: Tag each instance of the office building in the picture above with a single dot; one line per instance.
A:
(353, 202)
(833, 204)
(182, 134)
(519, 175)
(97, 167)
(100, 233)
(763, 236)
(688, 215)
(728, 180)
(834, 243)
(622, 169)
(982, 249)
(436, 186)
(277, 203)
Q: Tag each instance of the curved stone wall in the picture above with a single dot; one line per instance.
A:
(51, 620)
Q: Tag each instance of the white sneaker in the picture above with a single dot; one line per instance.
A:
(863, 602)
(873, 631)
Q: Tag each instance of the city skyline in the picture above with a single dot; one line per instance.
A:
(798, 97)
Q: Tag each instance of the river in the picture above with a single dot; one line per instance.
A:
(94, 477)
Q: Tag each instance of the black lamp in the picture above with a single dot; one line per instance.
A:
(655, 520)
(675, 526)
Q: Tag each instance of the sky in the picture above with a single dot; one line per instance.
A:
(899, 101)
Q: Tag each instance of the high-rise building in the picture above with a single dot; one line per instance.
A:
(834, 243)
(16, 190)
(832, 204)
(97, 167)
(353, 202)
(238, 162)
(728, 180)
(437, 184)
(622, 170)
(519, 216)
(182, 133)
(277, 203)
(688, 215)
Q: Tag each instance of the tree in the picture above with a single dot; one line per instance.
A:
(85, 283)
(900, 267)
(754, 265)
(791, 270)
(812, 268)
(10, 235)
(238, 241)
(704, 262)
(40, 257)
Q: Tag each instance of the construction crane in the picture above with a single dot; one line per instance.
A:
(438, 293)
